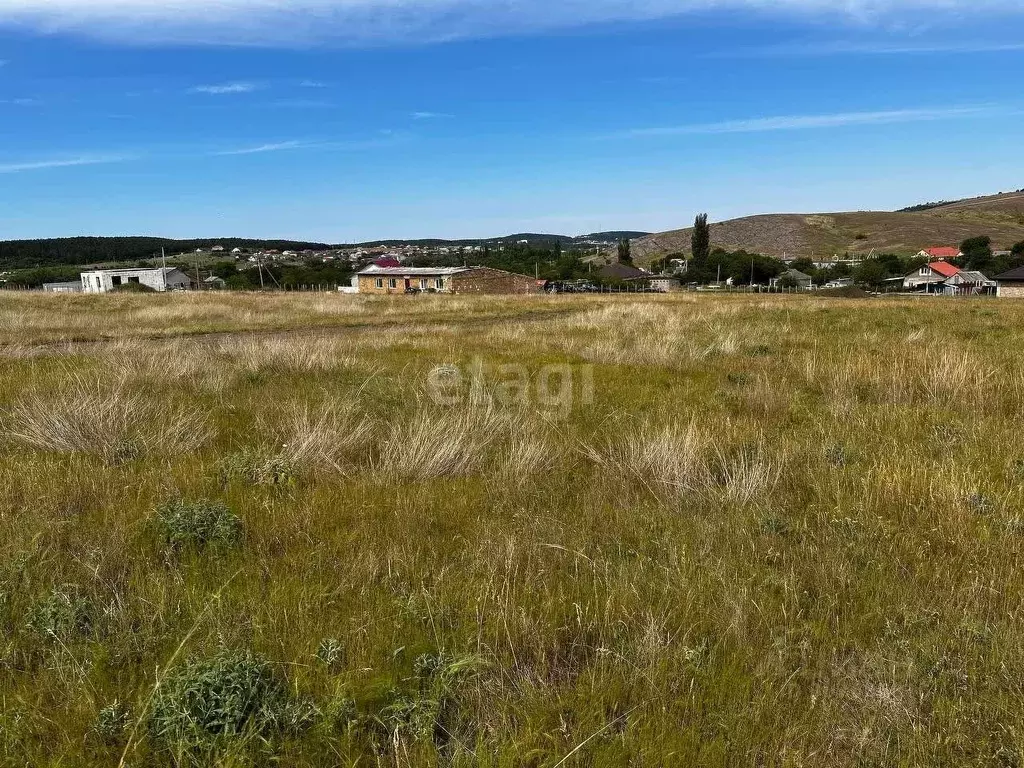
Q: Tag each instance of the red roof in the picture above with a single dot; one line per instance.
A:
(943, 268)
(388, 262)
(943, 253)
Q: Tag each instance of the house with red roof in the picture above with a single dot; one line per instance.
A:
(933, 274)
(942, 253)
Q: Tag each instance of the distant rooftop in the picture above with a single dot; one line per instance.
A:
(413, 271)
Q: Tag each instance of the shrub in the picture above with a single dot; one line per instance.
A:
(331, 652)
(112, 722)
(63, 614)
(133, 288)
(213, 701)
(196, 524)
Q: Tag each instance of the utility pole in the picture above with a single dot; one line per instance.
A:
(199, 282)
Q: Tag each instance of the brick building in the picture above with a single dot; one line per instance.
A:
(383, 281)
(1011, 284)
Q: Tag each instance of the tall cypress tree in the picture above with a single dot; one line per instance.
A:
(700, 243)
(625, 252)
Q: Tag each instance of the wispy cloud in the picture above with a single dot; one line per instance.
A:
(71, 162)
(21, 102)
(225, 89)
(262, 148)
(386, 139)
(431, 116)
(871, 48)
(312, 84)
(809, 122)
(238, 22)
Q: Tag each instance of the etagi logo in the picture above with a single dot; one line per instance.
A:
(554, 388)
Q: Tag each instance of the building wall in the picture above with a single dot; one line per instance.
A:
(493, 281)
(1011, 290)
(103, 281)
(368, 284)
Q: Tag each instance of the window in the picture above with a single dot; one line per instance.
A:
(116, 280)
(380, 282)
(925, 271)
(134, 280)
(99, 283)
(392, 283)
(439, 283)
(424, 283)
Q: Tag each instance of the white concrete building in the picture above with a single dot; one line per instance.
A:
(106, 280)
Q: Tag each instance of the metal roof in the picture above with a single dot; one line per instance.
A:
(413, 271)
(943, 268)
(1012, 275)
(135, 271)
(969, 277)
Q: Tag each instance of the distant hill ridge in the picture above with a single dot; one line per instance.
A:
(67, 251)
(822, 235)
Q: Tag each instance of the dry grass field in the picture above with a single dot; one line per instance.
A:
(552, 531)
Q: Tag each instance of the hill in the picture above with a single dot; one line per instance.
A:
(67, 251)
(826, 234)
(70, 251)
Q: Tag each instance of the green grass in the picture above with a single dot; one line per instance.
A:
(785, 532)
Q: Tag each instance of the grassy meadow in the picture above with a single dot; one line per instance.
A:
(318, 530)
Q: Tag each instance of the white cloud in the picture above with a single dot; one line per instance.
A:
(375, 21)
(430, 115)
(872, 48)
(808, 122)
(39, 165)
(225, 88)
(258, 150)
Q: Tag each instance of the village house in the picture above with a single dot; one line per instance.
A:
(794, 278)
(942, 253)
(467, 280)
(969, 283)
(164, 279)
(935, 273)
(620, 271)
(1011, 284)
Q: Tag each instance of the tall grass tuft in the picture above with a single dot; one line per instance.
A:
(116, 425)
(435, 443)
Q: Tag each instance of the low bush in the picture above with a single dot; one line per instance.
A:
(211, 702)
(195, 524)
(63, 614)
(112, 722)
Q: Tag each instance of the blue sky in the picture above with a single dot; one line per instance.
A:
(346, 120)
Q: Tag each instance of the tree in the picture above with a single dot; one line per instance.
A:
(625, 252)
(977, 253)
(871, 272)
(1018, 249)
(700, 242)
